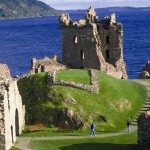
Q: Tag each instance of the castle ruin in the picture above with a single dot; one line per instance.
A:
(93, 43)
(46, 64)
(12, 112)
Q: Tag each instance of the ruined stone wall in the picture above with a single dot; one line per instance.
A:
(12, 118)
(46, 64)
(144, 131)
(79, 46)
(93, 43)
(2, 121)
(93, 88)
(114, 43)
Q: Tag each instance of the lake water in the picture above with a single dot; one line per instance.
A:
(24, 39)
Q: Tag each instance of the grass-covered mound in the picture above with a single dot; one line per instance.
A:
(116, 101)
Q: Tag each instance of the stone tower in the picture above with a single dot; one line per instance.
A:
(93, 43)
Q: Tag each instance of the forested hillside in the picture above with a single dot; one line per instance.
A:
(25, 9)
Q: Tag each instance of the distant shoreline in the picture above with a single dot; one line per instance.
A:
(108, 9)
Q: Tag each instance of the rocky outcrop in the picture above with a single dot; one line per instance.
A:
(67, 118)
(143, 131)
(145, 74)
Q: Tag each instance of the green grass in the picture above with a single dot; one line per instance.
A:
(54, 132)
(122, 142)
(76, 75)
(117, 100)
(14, 148)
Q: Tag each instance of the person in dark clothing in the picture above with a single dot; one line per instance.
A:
(93, 129)
(129, 125)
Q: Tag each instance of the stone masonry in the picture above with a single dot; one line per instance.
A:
(145, 74)
(93, 88)
(4, 71)
(46, 65)
(144, 131)
(12, 112)
(93, 43)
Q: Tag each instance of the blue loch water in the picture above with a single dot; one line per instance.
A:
(24, 39)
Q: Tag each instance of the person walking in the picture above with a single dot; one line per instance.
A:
(129, 125)
(92, 130)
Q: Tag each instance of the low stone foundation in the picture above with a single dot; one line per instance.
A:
(144, 131)
(93, 88)
(46, 64)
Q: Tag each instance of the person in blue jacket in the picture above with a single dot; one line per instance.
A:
(129, 125)
(93, 129)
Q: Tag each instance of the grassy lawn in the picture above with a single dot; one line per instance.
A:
(122, 142)
(14, 148)
(81, 76)
(117, 100)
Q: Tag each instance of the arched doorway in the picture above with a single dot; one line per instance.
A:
(17, 122)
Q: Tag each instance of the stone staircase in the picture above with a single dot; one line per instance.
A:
(146, 105)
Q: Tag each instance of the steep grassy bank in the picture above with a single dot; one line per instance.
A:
(116, 101)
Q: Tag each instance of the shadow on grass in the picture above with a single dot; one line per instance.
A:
(25, 131)
(100, 146)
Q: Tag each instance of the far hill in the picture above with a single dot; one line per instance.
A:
(25, 9)
(110, 10)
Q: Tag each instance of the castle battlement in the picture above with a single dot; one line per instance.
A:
(93, 43)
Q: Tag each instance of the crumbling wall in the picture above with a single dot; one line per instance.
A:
(12, 113)
(2, 122)
(144, 131)
(94, 44)
(93, 88)
(79, 46)
(46, 64)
